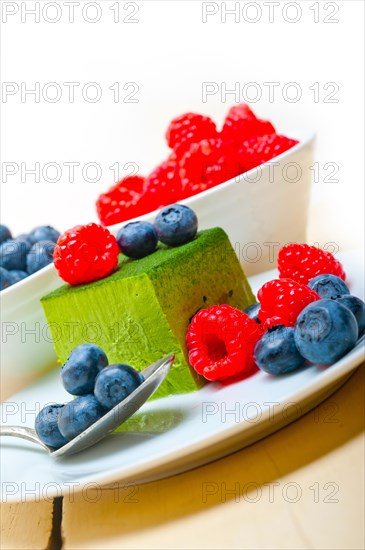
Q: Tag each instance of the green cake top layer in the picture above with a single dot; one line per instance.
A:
(152, 264)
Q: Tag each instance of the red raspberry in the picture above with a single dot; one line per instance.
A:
(257, 151)
(241, 124)
(85, 253)
(206, 164)
(189, 128)
(163, 186)
(221, 342)
(240, 112)
(282, 300)
(302, 262)
(122, 201)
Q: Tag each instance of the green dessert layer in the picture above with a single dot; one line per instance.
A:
(141, 312)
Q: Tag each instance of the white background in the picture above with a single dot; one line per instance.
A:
(169, 52)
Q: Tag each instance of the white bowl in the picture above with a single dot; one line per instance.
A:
(261, 211)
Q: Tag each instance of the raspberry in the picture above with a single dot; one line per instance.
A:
(282, 300)
(257, 151)
(241, 124)
(189, 128)
(302, 263)
(206, 164)
(85, 253)
(122, 201)
(240, 112)
(163, 186)
(221, 342)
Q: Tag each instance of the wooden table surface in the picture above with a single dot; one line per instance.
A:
(302, 487)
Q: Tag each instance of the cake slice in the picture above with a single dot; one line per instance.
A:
(142, 311)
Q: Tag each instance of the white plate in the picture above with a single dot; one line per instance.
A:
(192, 429)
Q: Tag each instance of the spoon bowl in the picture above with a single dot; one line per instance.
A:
(153, 377)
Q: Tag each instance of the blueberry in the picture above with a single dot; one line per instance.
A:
(46, 426)
(115, 383)
(17, 275)
(79, 372)
(39, 256)
(24, 237)
(137, 239)
(176, 224)
(13, 254)
(43, 233)
(328, 286)
(5, 278)
(276, 352)
(24, 243)
(325, 331)
(253, 312)
(357, 307)
(79, 414)
(5, 234)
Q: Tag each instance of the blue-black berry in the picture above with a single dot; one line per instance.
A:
(253, 312)
(115, 383)
(325, 331)
(5, 279)
(77, 415)
(137, 239)
(17, 275)
(176, 225)
(24, 237)
(43, 233)
(357, 307)
(329, 287)
(13, 254)
(276, 352)
(39, 256)
(46, 426)
(79, 372)
(5, 234)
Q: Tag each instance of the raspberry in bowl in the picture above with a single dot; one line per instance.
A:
(241, 177)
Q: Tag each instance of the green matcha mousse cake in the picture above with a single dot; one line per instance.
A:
(141, 312)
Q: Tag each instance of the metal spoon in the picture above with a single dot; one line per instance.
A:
(154, 376)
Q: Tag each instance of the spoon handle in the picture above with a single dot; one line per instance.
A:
(23, 433)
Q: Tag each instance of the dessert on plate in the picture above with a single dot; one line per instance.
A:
(189, 298)
(142, 311)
